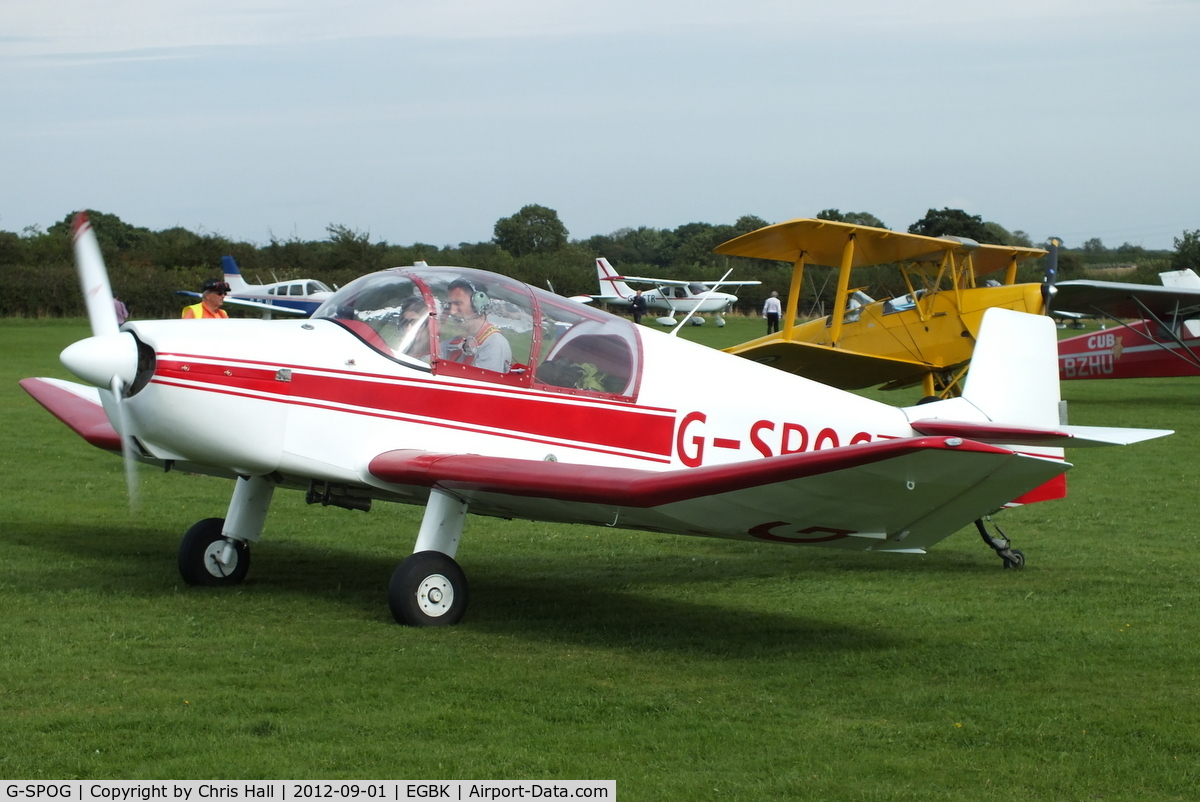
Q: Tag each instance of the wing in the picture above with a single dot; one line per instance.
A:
(1122, 300)
(837, 367)
(79, 407)
(899, 495)
(258, 306)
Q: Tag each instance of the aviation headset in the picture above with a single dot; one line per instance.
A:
(479, 299)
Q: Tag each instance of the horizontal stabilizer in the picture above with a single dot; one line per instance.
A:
(1063, 436)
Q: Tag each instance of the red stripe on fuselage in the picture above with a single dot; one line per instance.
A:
(528, 415)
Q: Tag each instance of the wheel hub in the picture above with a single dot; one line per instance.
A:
(435, 595)
(215, 558)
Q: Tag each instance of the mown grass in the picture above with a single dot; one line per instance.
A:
(683, 668)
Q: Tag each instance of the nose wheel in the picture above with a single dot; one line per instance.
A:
(428, 589)
(207, 557)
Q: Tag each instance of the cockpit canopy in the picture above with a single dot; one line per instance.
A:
(463, 322)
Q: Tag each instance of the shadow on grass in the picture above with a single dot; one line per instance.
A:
(652, 602)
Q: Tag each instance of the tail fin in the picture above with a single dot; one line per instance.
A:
(1183, 279)
(233, 276)
(1014, 370)
(611, 285)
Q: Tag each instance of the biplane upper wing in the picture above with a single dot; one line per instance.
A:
(837, 367)
(1119, 300)
(898, 495)
(824, 241)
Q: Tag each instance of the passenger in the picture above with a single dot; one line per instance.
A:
(480, 343)
(212, 298)
(412, 329)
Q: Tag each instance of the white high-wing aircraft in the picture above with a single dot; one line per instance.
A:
(295, 298)
(668, 294)
(399, 390)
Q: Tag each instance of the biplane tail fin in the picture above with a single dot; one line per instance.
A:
(233, 276)
(611, 285)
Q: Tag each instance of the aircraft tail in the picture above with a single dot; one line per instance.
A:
(233, 276)
(1014, 369)
(611, 285)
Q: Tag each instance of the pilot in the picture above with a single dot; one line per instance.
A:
(212, 297)
(479, 343)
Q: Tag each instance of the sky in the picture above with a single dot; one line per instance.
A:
(428, 120)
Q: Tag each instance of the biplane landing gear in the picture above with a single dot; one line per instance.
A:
(207, 557)
(429, 589)
(1013, 558)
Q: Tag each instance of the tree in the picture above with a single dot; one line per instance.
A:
(1187, 251)
(534, 229)
(955, 223)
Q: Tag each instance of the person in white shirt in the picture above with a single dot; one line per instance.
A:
(771, 311)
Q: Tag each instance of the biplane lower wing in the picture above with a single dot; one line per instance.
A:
(907, 493)
(837, 367)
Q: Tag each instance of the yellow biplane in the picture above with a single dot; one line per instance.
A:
(925, 337)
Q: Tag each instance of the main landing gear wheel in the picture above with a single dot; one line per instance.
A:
(428, 589)
(206, 557)
(1013, 558)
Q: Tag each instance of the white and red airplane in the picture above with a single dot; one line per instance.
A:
(671, 295)
(574, 415)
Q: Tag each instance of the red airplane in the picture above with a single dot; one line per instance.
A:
(1163, 342)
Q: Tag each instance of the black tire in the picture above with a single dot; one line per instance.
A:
(1017, 560)
(197, 556)
(428, 589)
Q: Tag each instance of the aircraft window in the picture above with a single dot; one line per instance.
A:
(297, 289)
(584, 349)
(270, 291)
(696, 288)
(316, 286)
(386, 311)
(486, 323)
(680, 292)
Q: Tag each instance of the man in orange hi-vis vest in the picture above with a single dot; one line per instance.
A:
(212, 297)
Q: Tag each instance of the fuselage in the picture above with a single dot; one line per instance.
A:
(1134, 351)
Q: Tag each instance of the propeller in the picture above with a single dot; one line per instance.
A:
(109, 358)
(1051, 275)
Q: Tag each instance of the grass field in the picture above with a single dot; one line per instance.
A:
(682, 668)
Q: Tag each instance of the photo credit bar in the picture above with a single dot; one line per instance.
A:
(302, 790)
